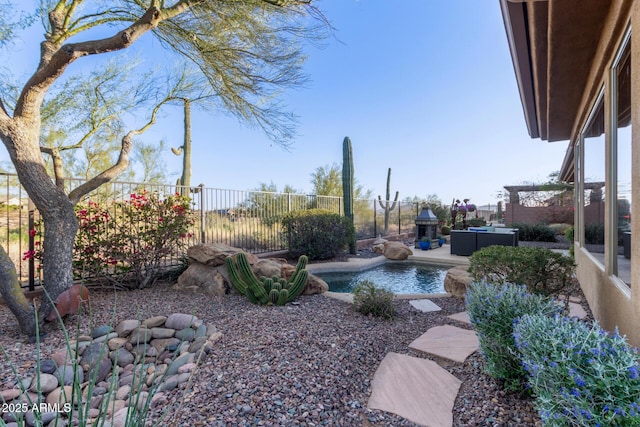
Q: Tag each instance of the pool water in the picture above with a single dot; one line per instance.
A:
(400, 278)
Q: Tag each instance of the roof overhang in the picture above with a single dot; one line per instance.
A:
(552, 44)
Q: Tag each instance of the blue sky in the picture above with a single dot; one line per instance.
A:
(425, 88)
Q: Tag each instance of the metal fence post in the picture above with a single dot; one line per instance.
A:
(202, 216)
(399, 219)
(375, 222)
(32, 267)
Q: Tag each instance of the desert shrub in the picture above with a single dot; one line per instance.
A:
(569, 234)
(128, 241)
(559, 228)
(541, 270)
(535, 232)
(317, 233)
(579, 374)
(371, 299)
(594, 234)
(492, 310)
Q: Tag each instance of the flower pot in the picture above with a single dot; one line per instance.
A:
(441, 241)
(424, 245)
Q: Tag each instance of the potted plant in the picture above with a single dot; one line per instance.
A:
(441, 240)
(425, 243)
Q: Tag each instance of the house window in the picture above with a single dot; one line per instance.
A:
(593, 178)
(621, 142)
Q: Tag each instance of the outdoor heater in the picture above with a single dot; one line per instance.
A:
(426, 225)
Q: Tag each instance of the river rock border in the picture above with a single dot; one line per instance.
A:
(117, 369)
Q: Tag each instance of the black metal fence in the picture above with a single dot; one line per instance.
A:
(249, 220)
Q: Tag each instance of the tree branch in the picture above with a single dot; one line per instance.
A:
(121, 164)
(58, 167)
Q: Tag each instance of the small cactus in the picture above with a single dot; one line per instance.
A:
(266, 290)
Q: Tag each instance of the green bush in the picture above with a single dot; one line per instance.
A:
(541, 270)
(317, 233)
(371, 299)
(594, 234)
(560, 228)
(569, 234)
(445, 230)
(535, 232)
(579, 374)
(492, 310)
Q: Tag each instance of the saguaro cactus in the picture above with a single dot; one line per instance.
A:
(385, 205)
(347, 186)
(185, 150)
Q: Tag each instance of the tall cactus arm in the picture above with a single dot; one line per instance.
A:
(395, 201)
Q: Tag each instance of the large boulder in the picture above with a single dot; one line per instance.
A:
(214, 254)
(269, 267)
(202, 279)
(457, 280)
(314, 285)
(397, 251)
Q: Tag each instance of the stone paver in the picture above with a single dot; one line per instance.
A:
(416, 389)
(576, 310)
(447, 341)
(424, 305)
(463, 317)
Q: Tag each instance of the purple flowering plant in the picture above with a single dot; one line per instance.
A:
(579, 373)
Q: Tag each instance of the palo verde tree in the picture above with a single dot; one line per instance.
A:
(246, 51)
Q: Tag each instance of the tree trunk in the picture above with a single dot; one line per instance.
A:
(59, 219)
(14, 297)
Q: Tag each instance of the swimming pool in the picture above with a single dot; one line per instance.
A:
(400, 278)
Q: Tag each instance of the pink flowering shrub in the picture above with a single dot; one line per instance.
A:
(128, 242)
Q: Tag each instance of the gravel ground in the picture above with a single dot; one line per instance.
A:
(309, 363)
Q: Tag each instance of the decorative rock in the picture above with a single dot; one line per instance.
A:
(397, 251)
(100, 331)
(47, 383)
(268, 267)
(155, 321)
(186, 368)
(48, 366)
(122, 357)
(215, 337)
(164, 344)
(185, 334)
(179, 321)
(123, 392)
(196, 345)
(214, 254)
(379, 249)
(116, 343)
(456, 281)
(115, 406)
(140, 335)
(9, 394)
(211, 328)
(67, 373)
(201, 332)
(184, 377)
(125, 327)
(140, 400)
(93, 354)
(177, 363)
(44, 417)
(169, 384)
(107, 337)
(203, 280)
(60, 395)
(159, 333)
(315, 285)
(61, 357)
